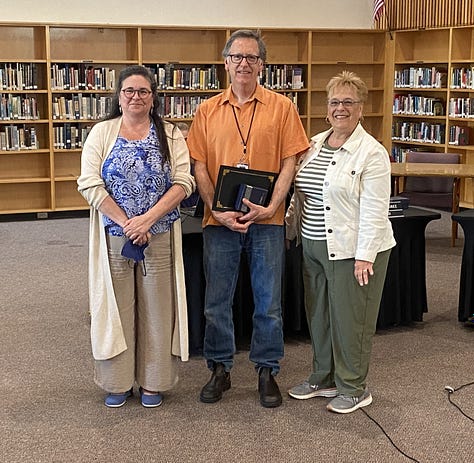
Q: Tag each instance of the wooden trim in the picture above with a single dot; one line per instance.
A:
(425, 14)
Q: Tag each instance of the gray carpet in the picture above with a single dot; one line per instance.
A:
(51, 411)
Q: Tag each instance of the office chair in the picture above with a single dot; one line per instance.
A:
(434, 192)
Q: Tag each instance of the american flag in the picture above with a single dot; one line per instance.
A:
(379, 6)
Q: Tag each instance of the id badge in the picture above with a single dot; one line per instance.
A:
(241, 165)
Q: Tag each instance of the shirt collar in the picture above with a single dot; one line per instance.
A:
(259, 95)
(350, 145)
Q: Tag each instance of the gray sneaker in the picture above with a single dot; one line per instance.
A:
(308, 391)
(347, 404)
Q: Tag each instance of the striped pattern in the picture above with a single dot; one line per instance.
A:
(310, 182)
(379, 6)
(415, 14)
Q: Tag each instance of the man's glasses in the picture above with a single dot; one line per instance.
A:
(141, 92)
(347, 103)
(237, 58)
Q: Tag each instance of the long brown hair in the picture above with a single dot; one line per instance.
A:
(115, 111)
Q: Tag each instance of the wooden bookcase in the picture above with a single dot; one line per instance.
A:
(42, 178)
(448, 50)
(363, 52)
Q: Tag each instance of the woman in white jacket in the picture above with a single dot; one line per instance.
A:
(339, 211)
(135, 171)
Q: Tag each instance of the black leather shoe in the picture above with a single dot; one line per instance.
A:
(268, 388)
(219, 382)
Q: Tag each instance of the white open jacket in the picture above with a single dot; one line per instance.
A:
(107, 336)
(356, 194)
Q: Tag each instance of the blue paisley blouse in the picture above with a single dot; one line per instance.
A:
(136, 176)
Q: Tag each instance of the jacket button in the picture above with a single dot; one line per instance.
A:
(332, 255)
(330, 230)
(353, 172)
(333, 163)
(328, 208)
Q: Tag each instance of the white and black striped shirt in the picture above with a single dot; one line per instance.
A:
(310, 182)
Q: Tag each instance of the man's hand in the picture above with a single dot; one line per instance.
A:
(256, 213)
(232, 220)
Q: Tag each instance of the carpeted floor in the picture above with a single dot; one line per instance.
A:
(51, 411)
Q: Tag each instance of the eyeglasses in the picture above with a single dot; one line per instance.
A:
(141, 92)
(237, 58)
(347, 103)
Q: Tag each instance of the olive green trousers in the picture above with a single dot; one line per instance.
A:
(342, 317)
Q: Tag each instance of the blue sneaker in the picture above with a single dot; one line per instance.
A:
(117, 400)
(151, 400)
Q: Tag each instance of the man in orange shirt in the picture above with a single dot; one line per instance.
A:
(246, 126)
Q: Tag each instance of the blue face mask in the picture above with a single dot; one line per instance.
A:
(134, 251)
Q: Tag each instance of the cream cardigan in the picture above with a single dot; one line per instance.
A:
(107, 336)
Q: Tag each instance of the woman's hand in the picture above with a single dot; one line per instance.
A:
(137, 229)
(362, 270)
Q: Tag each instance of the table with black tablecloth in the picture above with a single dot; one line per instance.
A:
(403, 300)
(404, 297)
(466, 284)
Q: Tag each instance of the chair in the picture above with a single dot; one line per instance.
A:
(434, 192)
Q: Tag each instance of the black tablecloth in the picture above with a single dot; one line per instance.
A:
(404, 294)
(403, 299)
(466, 284)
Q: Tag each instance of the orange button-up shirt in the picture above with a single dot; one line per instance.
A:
(276, 133)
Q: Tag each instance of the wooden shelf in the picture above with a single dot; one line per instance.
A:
(44, 179)
(448, 48)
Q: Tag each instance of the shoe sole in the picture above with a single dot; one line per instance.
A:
(116, 406)
(362, 403)
(152, 406)
(328, 393)
(214, 399)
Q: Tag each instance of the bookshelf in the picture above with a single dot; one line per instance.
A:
(444, 107)
(363, 52)
(73, 65)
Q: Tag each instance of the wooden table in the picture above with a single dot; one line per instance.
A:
(423, 169)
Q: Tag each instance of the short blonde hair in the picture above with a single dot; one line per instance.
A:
(349, 79)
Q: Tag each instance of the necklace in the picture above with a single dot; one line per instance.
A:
(241, 162)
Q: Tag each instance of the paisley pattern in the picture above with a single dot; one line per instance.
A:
(136, 177)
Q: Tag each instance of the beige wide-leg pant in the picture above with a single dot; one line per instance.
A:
(145, 298)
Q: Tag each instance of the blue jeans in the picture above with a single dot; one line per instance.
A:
(264, 245)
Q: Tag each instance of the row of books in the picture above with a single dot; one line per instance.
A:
(179, 77)
(397, 206)
(70, 136)
(180, 106)
(281, 77)
(22, 107)
(16, 138)
(18, 76)
(417, 105)
(89, 106)
(293, 96)
(458, 135)
(462, 77)
(399, 153)
(81, 77)
(420, 77)
(418, 132)
(461, 107)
